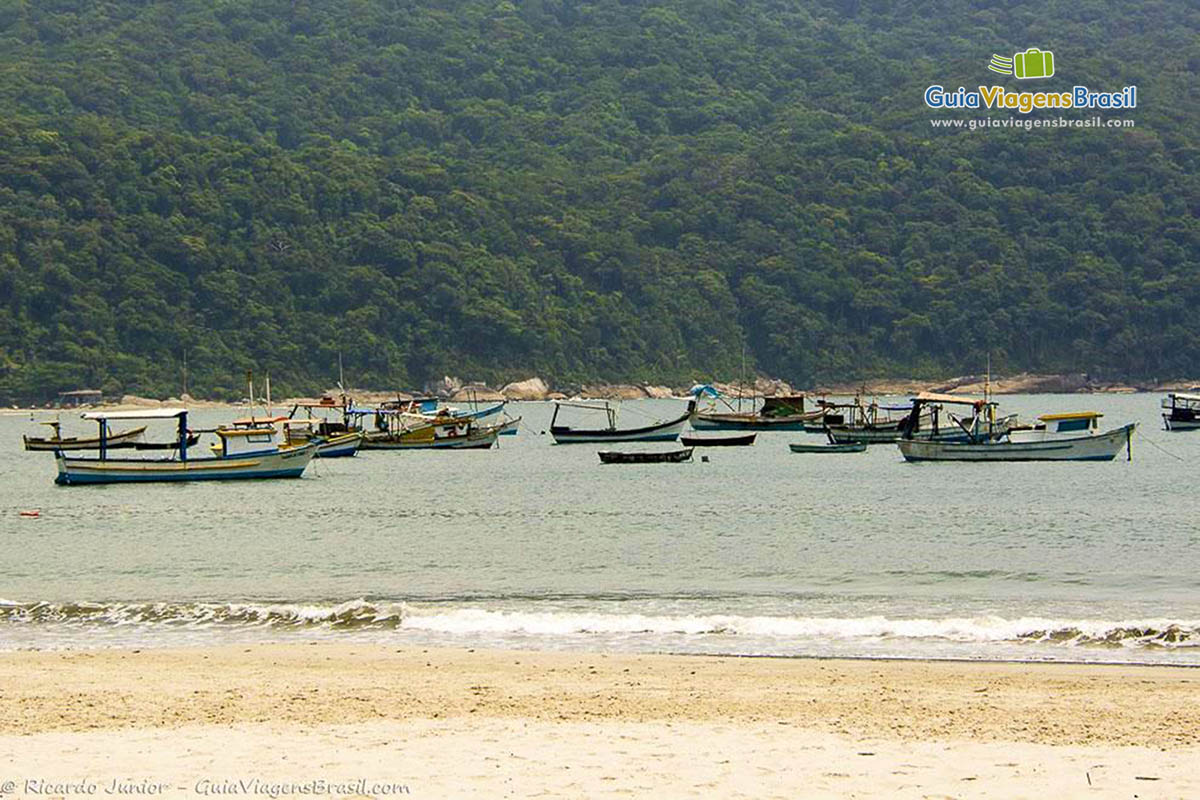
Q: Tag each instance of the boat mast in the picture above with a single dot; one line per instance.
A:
(742, 379)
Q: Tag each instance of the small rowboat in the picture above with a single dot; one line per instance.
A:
(667, 457)
(736, 440)
(853, 447)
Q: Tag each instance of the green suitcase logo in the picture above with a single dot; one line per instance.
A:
(1033, 63)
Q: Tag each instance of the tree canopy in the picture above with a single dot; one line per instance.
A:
(610, 190)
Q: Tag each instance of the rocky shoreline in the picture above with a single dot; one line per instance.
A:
(536, 389)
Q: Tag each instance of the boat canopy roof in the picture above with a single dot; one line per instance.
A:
(1070, 415)
(1184, 396)
(935, 397)
(148, 413)
(259, 420)
(593, 405)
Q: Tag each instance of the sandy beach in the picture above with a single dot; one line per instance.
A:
(347, 720)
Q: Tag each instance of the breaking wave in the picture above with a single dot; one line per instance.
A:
(468, 621)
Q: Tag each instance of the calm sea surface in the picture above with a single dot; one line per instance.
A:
(758, 551)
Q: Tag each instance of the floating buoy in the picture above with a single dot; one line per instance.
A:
(703, 459)
(31, 513)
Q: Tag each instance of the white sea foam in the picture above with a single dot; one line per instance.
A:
(464, 620)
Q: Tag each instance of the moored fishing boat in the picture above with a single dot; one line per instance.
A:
(1060, 437)
(1182, 412)
(717, 440)
(776, 414)
(861, 423)
(406, 431)
(665, 457)
(853, 447)
(59, 442)
(243, 453)
(334, 438)
(660, 431)
(931, 418)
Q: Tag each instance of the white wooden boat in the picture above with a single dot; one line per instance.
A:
(1059, 437)
(250, 452)
(661, 431)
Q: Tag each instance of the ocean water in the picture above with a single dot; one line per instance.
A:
(758, 551)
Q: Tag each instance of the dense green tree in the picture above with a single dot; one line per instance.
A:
(584, 190)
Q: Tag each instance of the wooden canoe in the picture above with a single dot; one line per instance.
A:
(736, 440)
(853, 447)
(662, 457)
(115, 440)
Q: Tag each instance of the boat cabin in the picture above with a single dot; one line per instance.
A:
(1075, 423)
(244, 440)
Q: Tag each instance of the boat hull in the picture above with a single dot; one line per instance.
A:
(667, 432)
(1100, 447)
(1180, 424)
(863, 435)
(472, 441)
(342, 446)
(754, 422)
(282, 464)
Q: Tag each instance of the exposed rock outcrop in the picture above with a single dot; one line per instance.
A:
(476, 392)
(529, 389)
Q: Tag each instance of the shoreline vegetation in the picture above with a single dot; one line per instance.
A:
(535, 389)
(461, 721)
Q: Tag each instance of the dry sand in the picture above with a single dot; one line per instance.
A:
(455, 723)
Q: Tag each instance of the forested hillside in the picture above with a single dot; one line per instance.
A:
(583, 190)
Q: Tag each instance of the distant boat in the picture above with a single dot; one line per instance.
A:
(859, 423)
(777, 413)
(663, 431)
(509, 426)
(250, 452)
(1183, 412)
(1059, 437)
(734, 440)
(334, 438)
(330, 443)
(853, 447)
(928, 418)
(414, 432)
(667, 457)
(59, 442)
